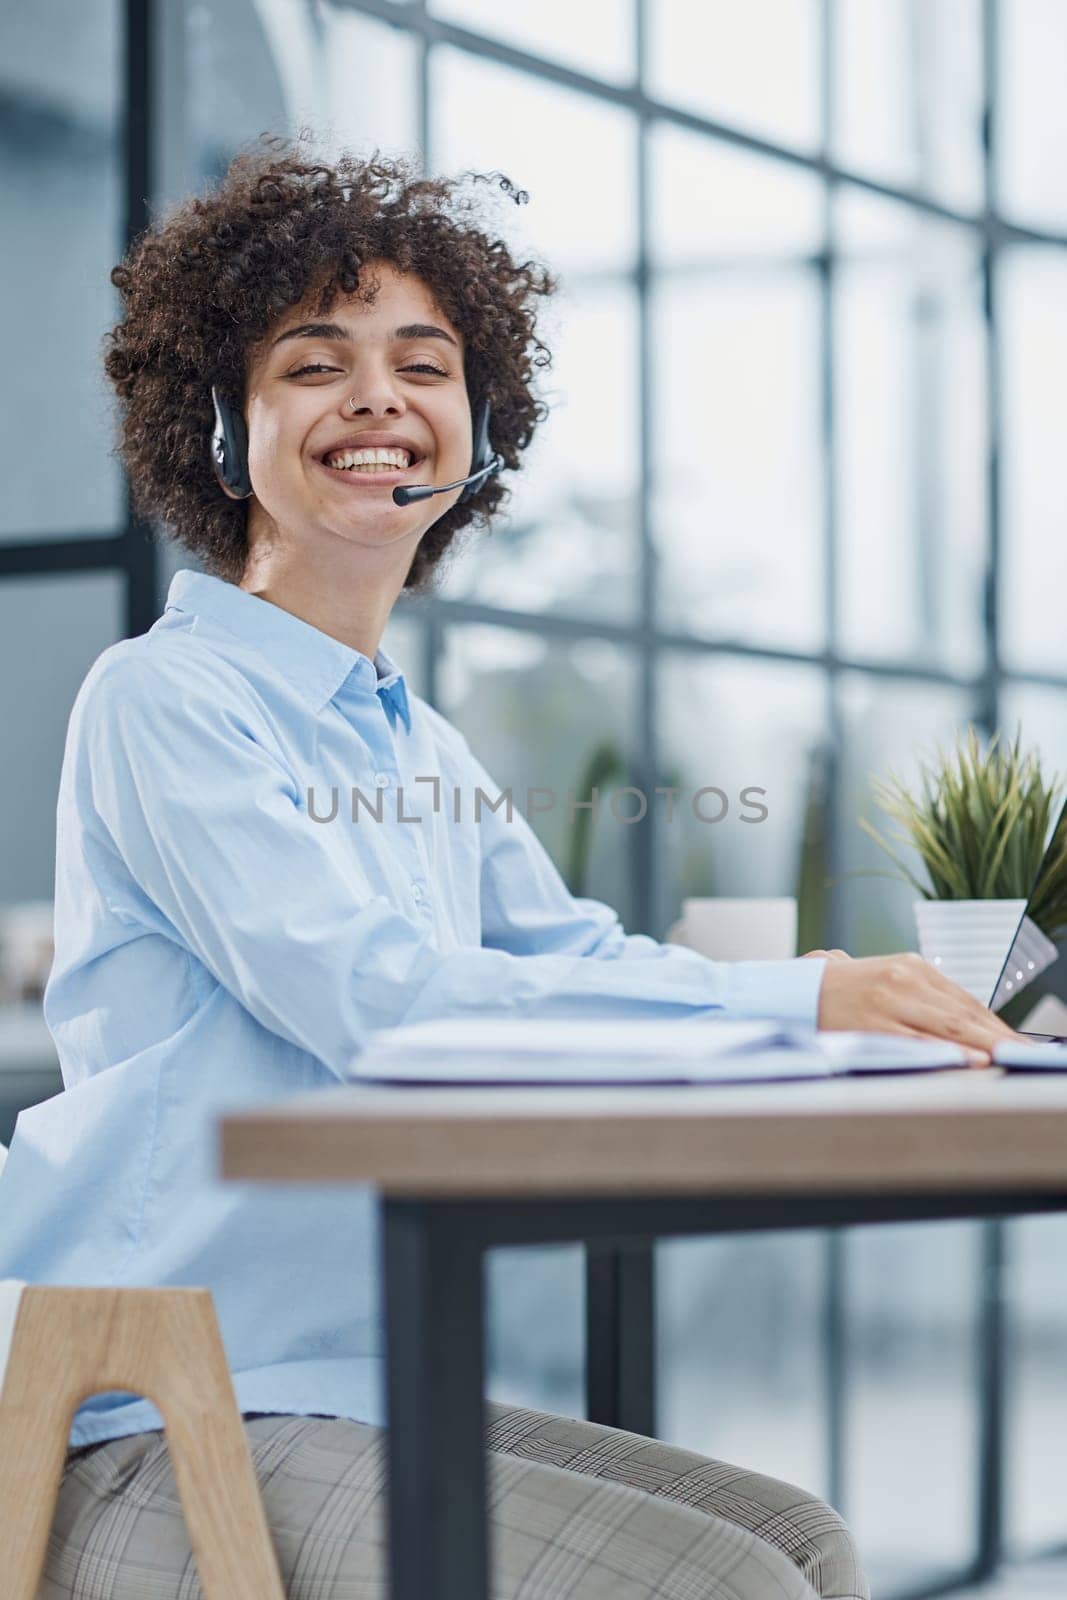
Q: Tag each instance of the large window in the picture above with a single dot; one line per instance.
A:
(797, 508)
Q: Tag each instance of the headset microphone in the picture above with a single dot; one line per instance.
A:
(423, 491)
(483, 462)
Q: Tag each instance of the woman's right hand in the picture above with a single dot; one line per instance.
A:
(905, 994)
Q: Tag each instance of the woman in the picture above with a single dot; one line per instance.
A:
(296, 345)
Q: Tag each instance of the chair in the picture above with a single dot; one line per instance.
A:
(66, 1344)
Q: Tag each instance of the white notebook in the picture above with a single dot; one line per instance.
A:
(504, 1050)
(1034, 1055)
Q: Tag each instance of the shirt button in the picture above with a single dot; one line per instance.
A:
(418, 891)
(381, 779)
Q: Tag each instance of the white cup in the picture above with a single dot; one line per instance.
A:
(738, 930)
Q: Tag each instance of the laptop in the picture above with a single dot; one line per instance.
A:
(1031, 990)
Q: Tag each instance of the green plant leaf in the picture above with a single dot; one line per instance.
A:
(979, 820)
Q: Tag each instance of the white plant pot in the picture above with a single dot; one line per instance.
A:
(968, 940)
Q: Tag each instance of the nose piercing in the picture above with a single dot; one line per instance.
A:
(351, 403)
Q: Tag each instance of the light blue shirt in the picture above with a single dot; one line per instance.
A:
(220, 943)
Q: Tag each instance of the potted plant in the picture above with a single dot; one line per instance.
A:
(604, 769)
(980, 822)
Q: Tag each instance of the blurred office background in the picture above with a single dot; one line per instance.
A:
(798, 511)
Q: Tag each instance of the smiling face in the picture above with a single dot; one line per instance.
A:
(323, 467)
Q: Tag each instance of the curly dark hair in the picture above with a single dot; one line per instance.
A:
(201, 289)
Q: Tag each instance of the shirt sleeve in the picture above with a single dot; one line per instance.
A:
(528, 910)
(207, 821)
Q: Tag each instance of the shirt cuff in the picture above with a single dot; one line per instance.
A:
(785, 990)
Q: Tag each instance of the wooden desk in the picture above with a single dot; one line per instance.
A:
(462, 1170)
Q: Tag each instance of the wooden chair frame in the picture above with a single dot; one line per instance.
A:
(163, 1344)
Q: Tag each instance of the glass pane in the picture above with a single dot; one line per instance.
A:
(566, 540)
(1036, 1408)
(535, 712)
(740, 1352)
(737, 495)
(249, 68)
(885, 725)
(737, 488)
(372, 73)
(1031, 135)
(907, 94)
(714, 57)
(171, 558)
(910, 407)
(79, 616)
(1041, 713)
(596, 37)
(536, 1328)
(61, 212)
(581, 215)
(1033, 334)
(405, 640)
(912, 1412)
(716, 206)
(731, 726)
(226, 85)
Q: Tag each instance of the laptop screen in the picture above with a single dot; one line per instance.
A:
(1031, 992)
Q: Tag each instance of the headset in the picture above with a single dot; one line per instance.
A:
(229, 456)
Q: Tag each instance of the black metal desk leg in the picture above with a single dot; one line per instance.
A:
(434, 1318)
(620, 1345)
(992, 1405)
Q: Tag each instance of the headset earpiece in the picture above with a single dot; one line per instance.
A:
(481, 454)
(229, 449)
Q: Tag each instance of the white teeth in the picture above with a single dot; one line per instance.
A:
(369, 460)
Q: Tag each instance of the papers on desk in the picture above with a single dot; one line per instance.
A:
(1037, 1055)
(505, 1050)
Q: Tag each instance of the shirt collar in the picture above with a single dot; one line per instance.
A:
(313, 662)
